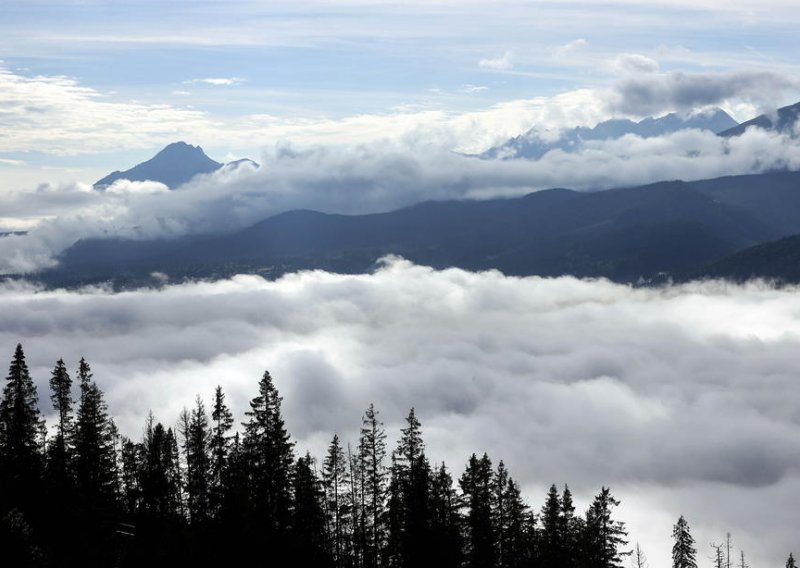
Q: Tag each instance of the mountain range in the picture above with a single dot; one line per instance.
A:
(735, 226)
(532, 145)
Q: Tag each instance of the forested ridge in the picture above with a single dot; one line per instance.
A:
(208, 493)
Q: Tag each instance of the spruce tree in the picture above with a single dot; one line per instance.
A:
(476, 486)
(198, 462)
(222, 419)
(21, 437)
(336, 478)
(551, 541)
(790, 563)
(446, 525)
(95, 454)
(372, 455)
(268, 453)
(684, 552)
(309, 529)
(606, 536)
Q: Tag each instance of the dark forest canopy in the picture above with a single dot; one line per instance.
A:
(205, 493)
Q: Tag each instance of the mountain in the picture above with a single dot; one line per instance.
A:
(777, 260)
(628, 235)
(783, 120)
(532, 146)
(173, 166)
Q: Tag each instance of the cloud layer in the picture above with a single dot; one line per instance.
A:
(684, 399)
(367, 178)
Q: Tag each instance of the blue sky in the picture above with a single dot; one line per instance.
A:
(104, 84)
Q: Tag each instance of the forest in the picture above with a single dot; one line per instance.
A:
(208, 492)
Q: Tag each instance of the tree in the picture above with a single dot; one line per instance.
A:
(220, 447)
(309, 530)
(605, 535)
(95, 454)
(446, 522)
(268, 454)
(790, 563)
(639, 560)
(21, 435)
(372, 455)
(718, 557)
(198, 463)
(684, 552)
(335, 477)
(409, 489)
(476, 486)
(551, 538)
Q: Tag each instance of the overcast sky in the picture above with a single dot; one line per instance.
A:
(683, 400)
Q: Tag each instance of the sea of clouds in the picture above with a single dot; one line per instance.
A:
(682, 399)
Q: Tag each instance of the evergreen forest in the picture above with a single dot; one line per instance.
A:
(207, 491)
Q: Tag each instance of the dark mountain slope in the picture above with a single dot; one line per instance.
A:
(777, 260)
(783, 121)
(623, 234)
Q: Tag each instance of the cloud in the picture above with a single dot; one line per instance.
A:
(652, 93)
(473, 88)
(502, 63)
(681, 399)
(217, 81)
(9, 162)
(634, 63)
(366, 179)
(571, 48)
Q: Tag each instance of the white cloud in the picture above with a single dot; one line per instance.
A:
(502, 63)
(473, 88)
(369, 178)
(681, 399)
(10, 162)
(217, 81)
(634, 63)
(571, 48)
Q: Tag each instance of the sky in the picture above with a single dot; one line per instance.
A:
(91, 86)
(683, 399)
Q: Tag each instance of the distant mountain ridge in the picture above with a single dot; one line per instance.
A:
(783, 120)
(532, 146)
(643, 233)
(173, 166)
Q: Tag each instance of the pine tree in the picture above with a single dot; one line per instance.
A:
(220, 447)
(268, 453)
(336, 477)
(684, 552)
(409, 489)
(445, 521)
(606, 536)
(639, 559)
(308, 523)
(476, 486)
(198, 462)
(569, 533)
(372, 455)
(519, 530)
(718, 557)
(790, 563)
(95, 455)
(551, 541)
(21, 436)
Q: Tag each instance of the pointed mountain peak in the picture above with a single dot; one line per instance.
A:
(174, 165)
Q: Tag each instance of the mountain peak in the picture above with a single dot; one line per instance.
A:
(174, 165)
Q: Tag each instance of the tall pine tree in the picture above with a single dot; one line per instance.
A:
(684, 553)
